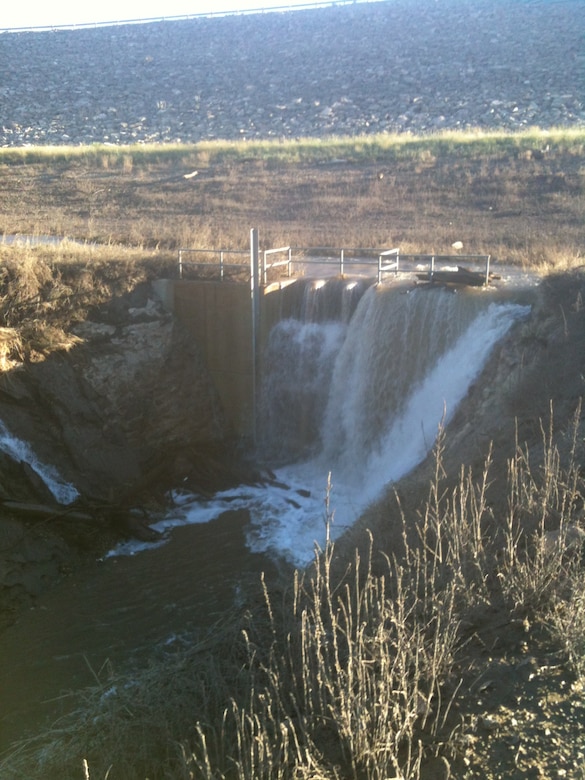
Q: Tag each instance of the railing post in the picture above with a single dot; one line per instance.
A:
(221, 266)
(289, 264)
(341, 259)
(255, 303)
(487, 270)
(180, 264)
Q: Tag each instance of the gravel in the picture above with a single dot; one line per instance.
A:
(413, 66)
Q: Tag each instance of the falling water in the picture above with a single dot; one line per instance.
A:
(396, 341)
(298, 362)
(21, 452)
(357, 391)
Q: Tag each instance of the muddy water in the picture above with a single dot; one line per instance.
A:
(114, 612)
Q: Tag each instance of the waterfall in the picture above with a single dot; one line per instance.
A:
(356, 384)
(300, 358)
(363, 399)
(20, 451)
(298, 362)
(396, 340)
(333, 385)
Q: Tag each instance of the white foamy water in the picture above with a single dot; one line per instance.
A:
(376, 392)
(20, 451)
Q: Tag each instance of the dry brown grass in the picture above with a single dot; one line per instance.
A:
(359, 674)
(45, 289)
(494, 195)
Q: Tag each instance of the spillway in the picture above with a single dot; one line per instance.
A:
(356, 381)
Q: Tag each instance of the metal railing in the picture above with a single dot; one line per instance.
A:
(387, 267)
(339, 260)
(279, 263)
(219, 264)
(331, 256)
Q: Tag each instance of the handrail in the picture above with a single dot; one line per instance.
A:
(381, 262)
(278, 264)
(351, 257)
(222, 265)
(388, 266)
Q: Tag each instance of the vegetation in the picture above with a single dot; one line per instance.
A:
(44, 289)
(385, 147)
(124, 211)
(361, 670)
(518, 197)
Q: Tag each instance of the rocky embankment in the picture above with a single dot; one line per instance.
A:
(400, 66)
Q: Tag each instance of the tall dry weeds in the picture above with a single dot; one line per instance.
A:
(350, 675)
(545, 513)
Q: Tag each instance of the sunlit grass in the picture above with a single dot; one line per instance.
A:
(519, 197)
(44, 289)
(375, 147)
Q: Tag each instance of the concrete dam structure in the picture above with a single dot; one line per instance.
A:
(232, 310)
(338, 378)
(231, 330)
(230, 322)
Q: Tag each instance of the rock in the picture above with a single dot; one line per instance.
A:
(94, 331)
(337, 75)
(489, 722)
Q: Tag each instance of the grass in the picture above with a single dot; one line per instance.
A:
(381, 148)
(135, 207)
(491, 191)
(44, 290)
(360, 669)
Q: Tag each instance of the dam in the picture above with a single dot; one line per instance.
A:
(231, 320)
(337, 378)
(352, 380)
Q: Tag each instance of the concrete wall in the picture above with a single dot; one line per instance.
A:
(219, 317)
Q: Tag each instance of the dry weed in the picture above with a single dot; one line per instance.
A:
(351, 675)
(44, 289)
(542, 500)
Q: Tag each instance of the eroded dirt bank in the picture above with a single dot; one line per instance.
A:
(123, 415)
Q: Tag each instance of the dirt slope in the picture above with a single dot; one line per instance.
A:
(123, 415)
